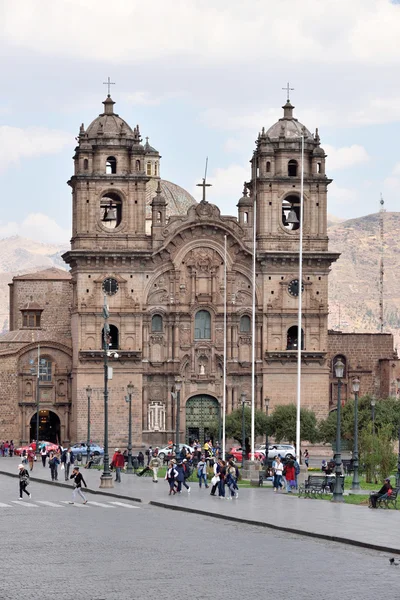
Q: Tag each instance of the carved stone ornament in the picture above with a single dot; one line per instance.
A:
(157, 339)
(184, 335)
(203, 260)
(245, 340)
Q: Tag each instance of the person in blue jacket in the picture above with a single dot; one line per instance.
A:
(181, 478)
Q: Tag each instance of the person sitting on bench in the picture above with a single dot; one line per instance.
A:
(385, 491)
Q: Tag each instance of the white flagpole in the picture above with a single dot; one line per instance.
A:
(253, 325)
(299, 331)
(225, 332)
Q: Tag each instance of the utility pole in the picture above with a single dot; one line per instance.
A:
(381, 267)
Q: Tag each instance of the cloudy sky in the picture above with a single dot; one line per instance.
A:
(201, 78)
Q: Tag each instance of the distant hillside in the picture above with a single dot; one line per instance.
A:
(354, 280)
(18, 256)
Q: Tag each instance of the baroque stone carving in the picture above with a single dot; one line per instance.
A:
(203, 260)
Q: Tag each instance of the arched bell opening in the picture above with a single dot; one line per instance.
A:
(111, 210)
(293, 338)
(111, 165)
(291, 213)
(49, 427)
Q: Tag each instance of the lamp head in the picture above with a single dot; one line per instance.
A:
(178, 384)
(266, 402)
(373, 402)
(339, 368)
(356, 385)
(130, 388)
(89, 390)
(243, 398)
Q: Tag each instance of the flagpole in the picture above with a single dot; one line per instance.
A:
(300, 288)
(253, 325)
(225, 332)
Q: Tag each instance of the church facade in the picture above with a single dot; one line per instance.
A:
(144, 248)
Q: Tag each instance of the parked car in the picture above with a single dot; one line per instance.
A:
(82, 449)
(163, 452)
(236, 452)
(50, 447)
(283, 449)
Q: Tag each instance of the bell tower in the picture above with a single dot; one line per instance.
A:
(109, 184)
(275, 183)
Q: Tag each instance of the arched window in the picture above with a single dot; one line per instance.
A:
(292, 338)
(111, 210)
(202, 325)
(113, 338)
(245, 324)
(31, 318)
(268, 166)
(156, 323)
(111, 165)
(318, 167)
(148, 168)
(45, 369)
(138, 165)
(246, 217)
(344, 361)
(156, 169)
(85, 164)
(291, 213)
(292, 168)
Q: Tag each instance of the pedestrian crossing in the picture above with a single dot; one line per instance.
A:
(59, 504)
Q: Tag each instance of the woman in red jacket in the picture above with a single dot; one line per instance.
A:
(290, 475)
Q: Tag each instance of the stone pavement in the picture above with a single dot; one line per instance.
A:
(351, 524)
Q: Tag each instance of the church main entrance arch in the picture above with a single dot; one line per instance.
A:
(49, 427)
(202, 416)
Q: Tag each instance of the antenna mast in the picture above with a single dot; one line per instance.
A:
(381, 267)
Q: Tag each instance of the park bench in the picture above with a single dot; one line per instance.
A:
(347, 466)
(264, 476)
(315, 485)
(388, 501)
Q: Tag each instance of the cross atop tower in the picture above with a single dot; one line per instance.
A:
(288, 90)
(204, 184)
(109, 83)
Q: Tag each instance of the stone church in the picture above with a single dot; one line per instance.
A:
(144, 247)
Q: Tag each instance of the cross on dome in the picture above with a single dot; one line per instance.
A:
(108, 83)
(288, 90)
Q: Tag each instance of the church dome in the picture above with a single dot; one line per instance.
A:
(288, 127)
(108, 124)
(178, 200)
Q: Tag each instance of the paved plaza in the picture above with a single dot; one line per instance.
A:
(105, 551)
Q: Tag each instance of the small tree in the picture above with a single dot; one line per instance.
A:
(282, 424)
(233, 424)
(376, 452)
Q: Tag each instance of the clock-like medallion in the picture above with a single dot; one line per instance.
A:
(110, 286)
(293, 287)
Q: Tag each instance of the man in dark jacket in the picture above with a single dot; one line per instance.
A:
(385, 490)
(78, 480)
(181, 478)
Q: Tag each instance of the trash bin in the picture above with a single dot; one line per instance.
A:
(79, 457)
(135, 463)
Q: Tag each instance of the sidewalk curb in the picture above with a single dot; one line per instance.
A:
(66, 485)
(321, 536)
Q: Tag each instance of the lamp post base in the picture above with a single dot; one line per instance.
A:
(129, 471)
(106, 481)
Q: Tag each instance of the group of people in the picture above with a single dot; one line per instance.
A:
(285, 473)
(53, 459)
(7, 448)
(78, 480)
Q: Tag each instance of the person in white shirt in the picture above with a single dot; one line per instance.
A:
(43, 454)
(277, 466)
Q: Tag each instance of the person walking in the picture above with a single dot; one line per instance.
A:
(23, 481)
(231, 480)
(215, 479)
(306, 457)
(53, 464)
(119, 463)
(222, 477)
(278, 470)
(11, 448)
(149, 454)
(31, 458)
(66, 459)
(181, 478)
(290, 475)
(43, 454)
(155, 464)
(171, 476)
(202, 472)
(78, 480)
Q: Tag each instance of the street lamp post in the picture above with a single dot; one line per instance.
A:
(266, 432)
(106, 480)
(129, 388)
(355, 485)
(89, 394)
(243, 400)
(398, 463)
(337, 492)
(178, 387)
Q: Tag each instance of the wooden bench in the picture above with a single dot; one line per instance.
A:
(347, 466)
(388, 501)
(314, 486)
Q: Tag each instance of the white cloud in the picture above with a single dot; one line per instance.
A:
(234, 145)
(227, 187)
(396, 169)
(146, 98)
(17, 143)
(343, 158)
(37, 226)
(341, 195)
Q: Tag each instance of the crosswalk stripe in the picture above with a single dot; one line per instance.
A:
(22, 503)
(80, 505)
(100, 504)
(4, 505)
(48, 503)
(124, 504)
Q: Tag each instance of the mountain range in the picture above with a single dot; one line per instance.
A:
(353, 282)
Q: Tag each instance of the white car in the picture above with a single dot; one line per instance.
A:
(163, 452)
(274, 449)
